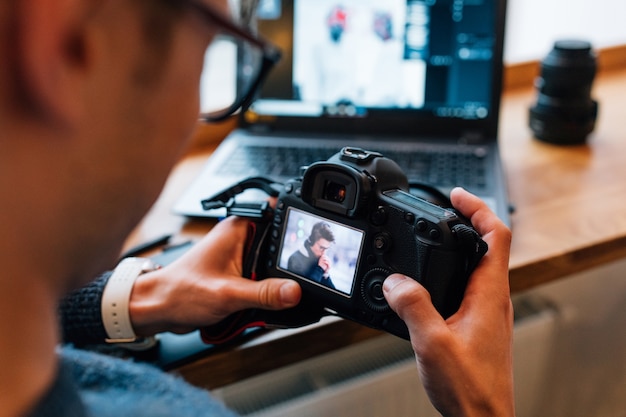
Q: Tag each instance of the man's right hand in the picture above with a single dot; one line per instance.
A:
(465, 362)
(324, 263)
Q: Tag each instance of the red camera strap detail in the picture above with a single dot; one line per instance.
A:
(230, 328)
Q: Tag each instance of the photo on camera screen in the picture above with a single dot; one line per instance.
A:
(320, 250)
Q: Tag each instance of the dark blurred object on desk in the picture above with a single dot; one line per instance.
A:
(565, 113)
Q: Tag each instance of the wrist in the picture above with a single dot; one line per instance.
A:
(500, 404)
(147, 304)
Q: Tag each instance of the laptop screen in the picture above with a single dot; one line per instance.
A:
(399, 66)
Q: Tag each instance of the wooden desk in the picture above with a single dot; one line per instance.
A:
(570, 216)
(570, 201)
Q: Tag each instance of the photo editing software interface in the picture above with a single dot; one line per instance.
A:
(350, 58)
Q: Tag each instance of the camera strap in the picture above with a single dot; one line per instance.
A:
(236, 324)
(226, 198)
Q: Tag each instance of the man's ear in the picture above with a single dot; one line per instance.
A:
(52, 56)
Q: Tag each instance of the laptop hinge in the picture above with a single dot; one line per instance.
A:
(472, 137)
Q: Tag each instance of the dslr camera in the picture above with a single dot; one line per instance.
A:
(339, 230)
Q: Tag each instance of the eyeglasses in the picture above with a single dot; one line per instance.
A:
(321, 247)
(251, 59)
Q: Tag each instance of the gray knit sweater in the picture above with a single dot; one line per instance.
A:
(96, 385)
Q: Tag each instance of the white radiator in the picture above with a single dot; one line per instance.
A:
(375, 378)
(552, 376)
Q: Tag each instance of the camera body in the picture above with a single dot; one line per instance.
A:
(376, 228)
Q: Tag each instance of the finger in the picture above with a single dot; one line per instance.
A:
(493, 231)
(268, 294)
(475, 209)
(232, 232)
(494, 266)
(412, 302)
(231, 227)
(481, 216)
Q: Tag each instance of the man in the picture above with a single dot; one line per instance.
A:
(311, 260)
(97, 98)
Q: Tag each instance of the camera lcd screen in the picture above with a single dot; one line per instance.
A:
(320, 250)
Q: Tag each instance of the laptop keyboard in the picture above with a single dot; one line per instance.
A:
(272, 161)
(444, 168)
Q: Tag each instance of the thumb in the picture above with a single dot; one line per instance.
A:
(412, 302)
(271, 294)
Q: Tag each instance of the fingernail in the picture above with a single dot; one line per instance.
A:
(290, 293)
(393, 280)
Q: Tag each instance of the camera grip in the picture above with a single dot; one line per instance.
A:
(447, 272)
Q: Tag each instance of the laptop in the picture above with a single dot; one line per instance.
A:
(416, 80)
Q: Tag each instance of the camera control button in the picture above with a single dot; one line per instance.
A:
(379, 216)
(377, 291)
(372, 290)
(382, 242)
(421, 225)
(434, 234)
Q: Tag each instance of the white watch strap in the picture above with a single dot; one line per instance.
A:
(116, 298)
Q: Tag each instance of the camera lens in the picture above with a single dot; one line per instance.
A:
(334, 192)
(565, 113)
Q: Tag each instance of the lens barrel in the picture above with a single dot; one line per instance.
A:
(565, 112)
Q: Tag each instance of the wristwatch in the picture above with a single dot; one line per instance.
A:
(115, 303)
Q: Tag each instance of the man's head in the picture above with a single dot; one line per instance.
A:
(97, 100)
(321, 238)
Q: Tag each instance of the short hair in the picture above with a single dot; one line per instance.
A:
(320, 230)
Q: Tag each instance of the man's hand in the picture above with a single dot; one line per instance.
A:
(205, 285)
(324, 263)
(465, 362)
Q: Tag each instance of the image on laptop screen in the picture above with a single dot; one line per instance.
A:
(361, 58)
